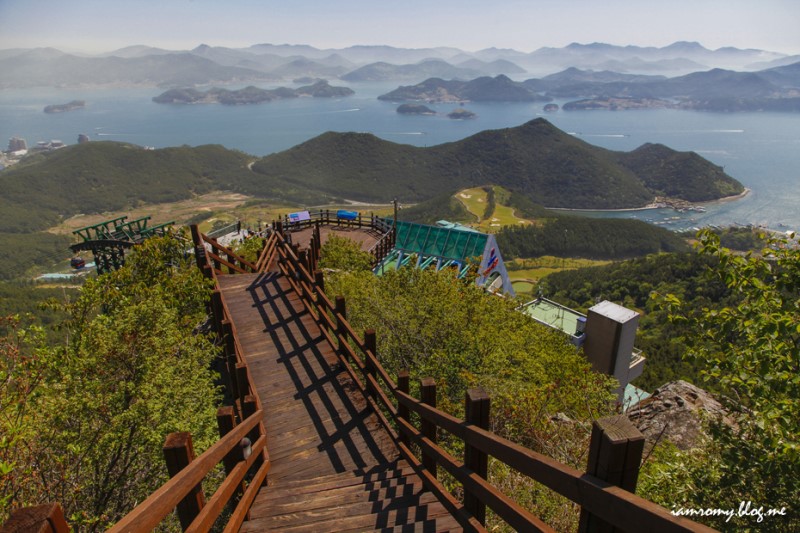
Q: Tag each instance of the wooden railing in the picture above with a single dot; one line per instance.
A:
(242, 445)
(604, 492)
(385, 227)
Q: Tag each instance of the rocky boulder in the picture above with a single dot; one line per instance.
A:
(676, 411)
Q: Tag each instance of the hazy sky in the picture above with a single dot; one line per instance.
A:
(105, 25)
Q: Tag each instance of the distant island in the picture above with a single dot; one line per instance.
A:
(461, 114)
(484, 89)
(617, 103)
(250, 95)
(62, 108)
(415, 109)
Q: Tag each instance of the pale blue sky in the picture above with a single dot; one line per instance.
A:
(105, 25)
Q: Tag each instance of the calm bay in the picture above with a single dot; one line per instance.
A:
(761, 150)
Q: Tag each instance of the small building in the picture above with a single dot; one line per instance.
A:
(15, 144)
(606, 334)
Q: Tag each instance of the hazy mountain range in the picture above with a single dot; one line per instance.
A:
(203, 65)
(775, 89)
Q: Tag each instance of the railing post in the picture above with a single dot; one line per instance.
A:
(249, 408)
(476, 409)
(243, 382)
(232, 261)
(303, 261)
(319, 280)
(615, 455)
(371, 344)
(403, 385)
(217, 313)
(428, 393)
(341, 309)
(226, 422)
(178, 453)
(230, 356)
(45, 518)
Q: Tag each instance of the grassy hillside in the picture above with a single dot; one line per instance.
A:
(104, 176)
(535, 160)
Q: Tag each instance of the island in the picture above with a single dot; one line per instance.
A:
(461, 114)
(551, 108)
(250, 95)
(484, 89)
(617, 104)
(415, 109)
(62, 108)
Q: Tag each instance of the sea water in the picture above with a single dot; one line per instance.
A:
(761, 150)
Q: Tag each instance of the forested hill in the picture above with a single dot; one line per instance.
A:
(536, 160)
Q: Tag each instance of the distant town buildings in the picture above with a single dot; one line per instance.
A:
(15, 144)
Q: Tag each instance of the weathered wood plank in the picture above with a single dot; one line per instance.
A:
(333, 466)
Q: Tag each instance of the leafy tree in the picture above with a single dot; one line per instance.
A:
(98, 406)
(340, 253)
(750, 350)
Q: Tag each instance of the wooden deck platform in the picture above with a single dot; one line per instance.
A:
(334, 467)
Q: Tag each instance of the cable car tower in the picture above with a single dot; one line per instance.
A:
(108, 240)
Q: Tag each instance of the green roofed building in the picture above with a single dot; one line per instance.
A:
(449, 245)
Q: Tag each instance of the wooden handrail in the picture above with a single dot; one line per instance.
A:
(618, 507)
(148, 514)
(214, 244)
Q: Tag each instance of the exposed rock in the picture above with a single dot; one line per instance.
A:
(676, 409)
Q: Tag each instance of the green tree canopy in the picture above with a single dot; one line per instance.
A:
(91, 414)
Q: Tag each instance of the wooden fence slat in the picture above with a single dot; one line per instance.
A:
(45, 518)
(148, 514)
(476, 409)
(429, 429)
(615, 454)
(179, 453)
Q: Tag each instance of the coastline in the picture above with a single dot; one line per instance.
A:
(655, 205)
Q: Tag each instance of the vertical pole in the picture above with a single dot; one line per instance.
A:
(226, 422)
(199, 248)
(249, 408)
(428, 392)
(341, 309)
(244, 385)
(217, 311)
(371, 344)
(319, 280)
(615, 455)
(178, 452)
(403, 385)
(230, 356)
(476, 409)
(303, 260)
